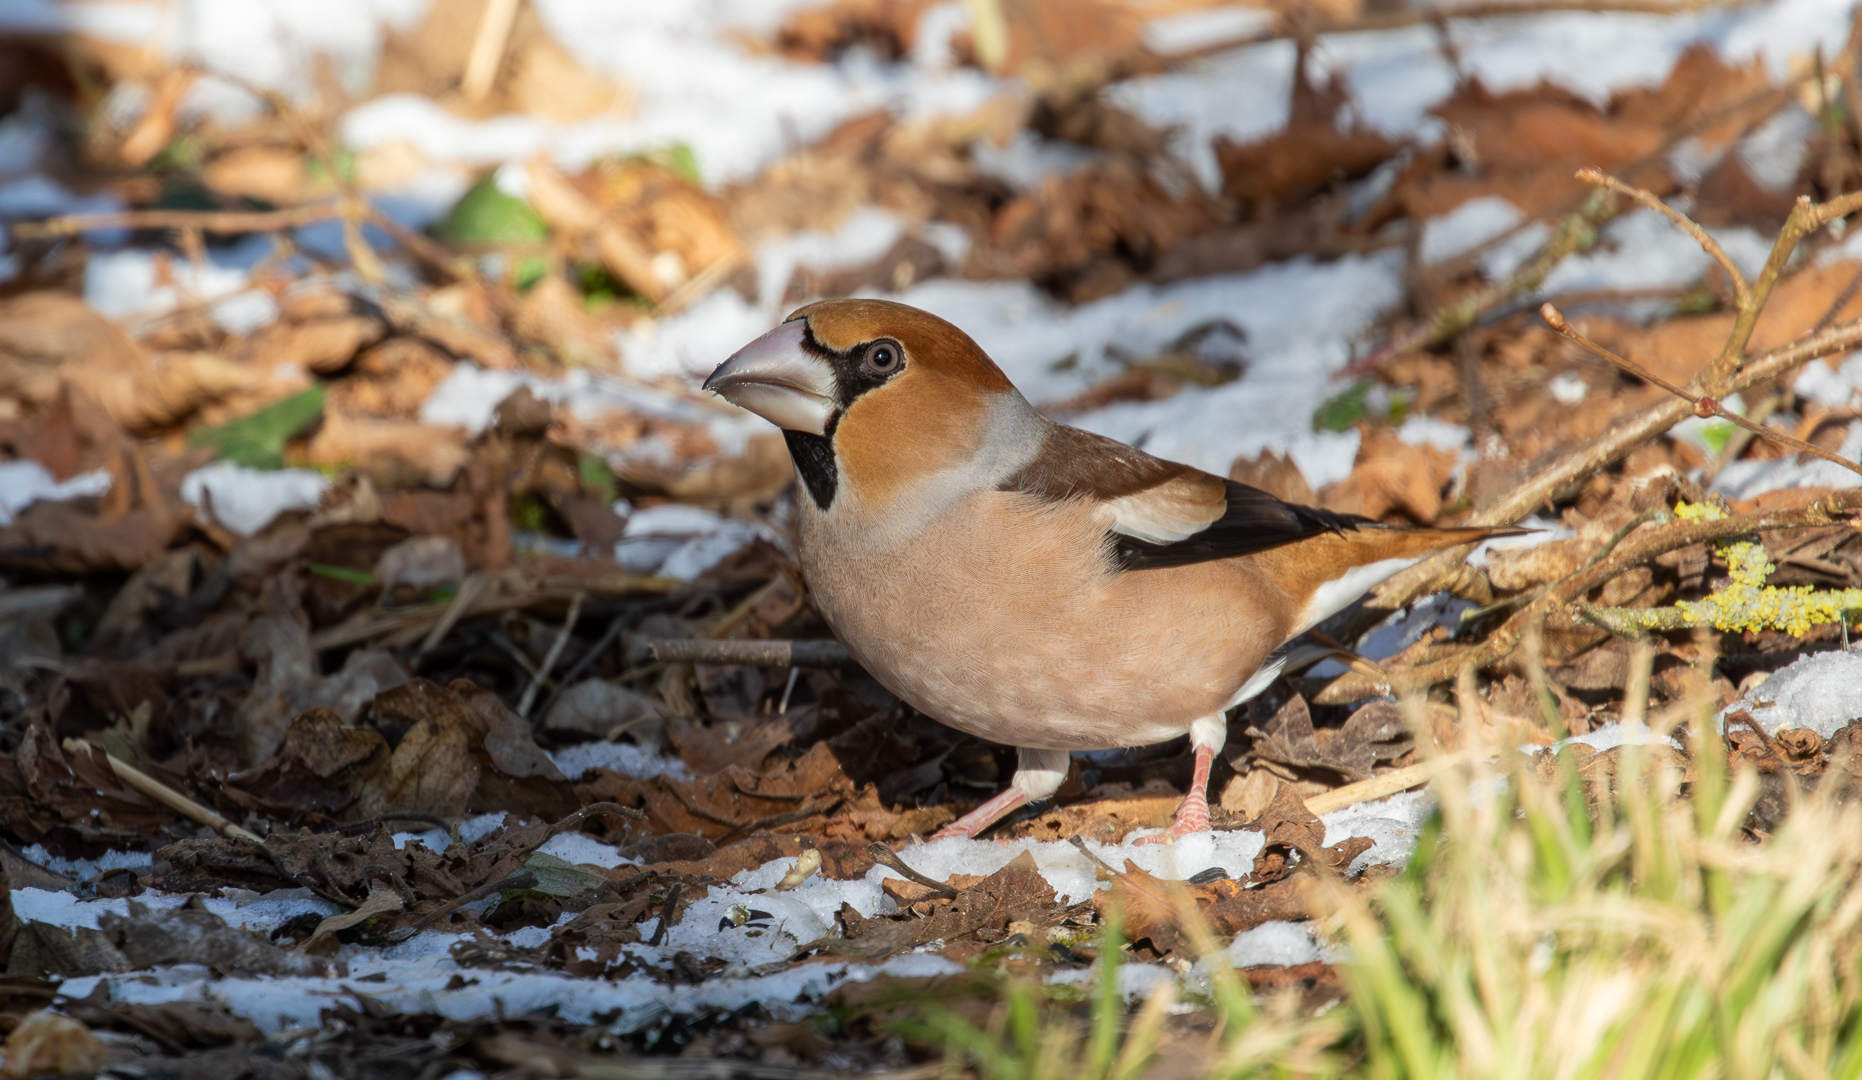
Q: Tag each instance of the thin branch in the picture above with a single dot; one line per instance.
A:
(817, 654)
(1425, 14)
(1838, 508)
(1571, 467)
(889, 859)
(1742, 292)
(162, 793)
(1704, 406)
(550, 658)
(215, 221)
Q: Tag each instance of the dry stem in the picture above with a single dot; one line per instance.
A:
(162, 793)
(1639, 548)
(1703, 405)
(215, 221)
(1741, 291)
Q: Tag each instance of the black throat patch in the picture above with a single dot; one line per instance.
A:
(814, 463)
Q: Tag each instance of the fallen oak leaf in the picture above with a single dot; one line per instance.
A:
(382, 900)
(1289, 825)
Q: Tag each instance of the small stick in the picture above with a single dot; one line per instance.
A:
(523, 879)
(494, 30)
(1582, 460)
(1077, 842)
(162, 793)
(1771, 747)
(1378, 787)
(1741, 291)
(550, 658)
(665, 914)
(217, 221)
(889, 859)
(1704, 405)
(587, 659)
(470, 590)
(811, 654)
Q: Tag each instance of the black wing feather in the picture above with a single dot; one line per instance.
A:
(1254, 521)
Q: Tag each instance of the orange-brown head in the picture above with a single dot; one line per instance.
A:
(876, 393)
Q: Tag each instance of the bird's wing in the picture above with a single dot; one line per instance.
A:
(1160, 513)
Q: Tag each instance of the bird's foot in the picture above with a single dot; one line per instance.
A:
(982, 817)
(1192, 817)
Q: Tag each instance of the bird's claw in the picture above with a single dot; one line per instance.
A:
(1192, 817)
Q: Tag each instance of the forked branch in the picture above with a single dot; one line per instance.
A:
(1704, 406)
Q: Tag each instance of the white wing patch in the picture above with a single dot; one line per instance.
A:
(1333, 596)
(1169, 512)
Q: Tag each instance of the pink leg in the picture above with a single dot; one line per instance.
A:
(1206, 737)
(1038, 774)
(983, 816)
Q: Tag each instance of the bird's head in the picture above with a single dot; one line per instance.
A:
(877, 393)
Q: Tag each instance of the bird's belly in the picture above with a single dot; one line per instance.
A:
(1035, 652)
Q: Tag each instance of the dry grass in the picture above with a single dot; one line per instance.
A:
(1543, 929)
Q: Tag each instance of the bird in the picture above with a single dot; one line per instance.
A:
(1025, 581)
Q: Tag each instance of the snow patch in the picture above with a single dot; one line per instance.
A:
(246, 500)
(679, 541)
(25, 482)
(639, 762)
(1822, 692)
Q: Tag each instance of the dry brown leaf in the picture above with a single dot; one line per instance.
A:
(552, 314)
(548, 82)
(1524, 145)
(393, 453)
(432, 771)
(1374, 733)
(273, 174)
(46, 1043)
(49, 339)
(1392, 477)
(382, 900)
(322, 345)
(1275, 474)
(1309, 155)
(129, 526)
(463, 750)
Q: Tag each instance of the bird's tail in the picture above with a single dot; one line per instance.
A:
(1324, 573)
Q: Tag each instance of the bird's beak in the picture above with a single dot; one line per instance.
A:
(777, 379)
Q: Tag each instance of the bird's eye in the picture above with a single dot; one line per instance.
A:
(882, 357)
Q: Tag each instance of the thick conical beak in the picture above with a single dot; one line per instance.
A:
(777, 379)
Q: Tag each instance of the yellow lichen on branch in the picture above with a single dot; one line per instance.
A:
(1745, 603)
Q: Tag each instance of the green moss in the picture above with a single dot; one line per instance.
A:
(486, 216)
(258, 441)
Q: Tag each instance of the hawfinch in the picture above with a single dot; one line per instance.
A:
(1025, 581)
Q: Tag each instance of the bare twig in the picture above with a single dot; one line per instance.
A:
(162, 793)
(809, 654)
(523, 879)
(1835, 509)
(1568, 237)
(587, 659)
(1703, 405)
(1421, 15)
(550, 658)
(215, 221)
(666, 913)
(1736, 444)
(494, 30)
(1383, 786)
(1580, 461)
(889, 859)
(1741, 291)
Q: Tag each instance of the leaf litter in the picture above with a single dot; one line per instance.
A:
(356, 537)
